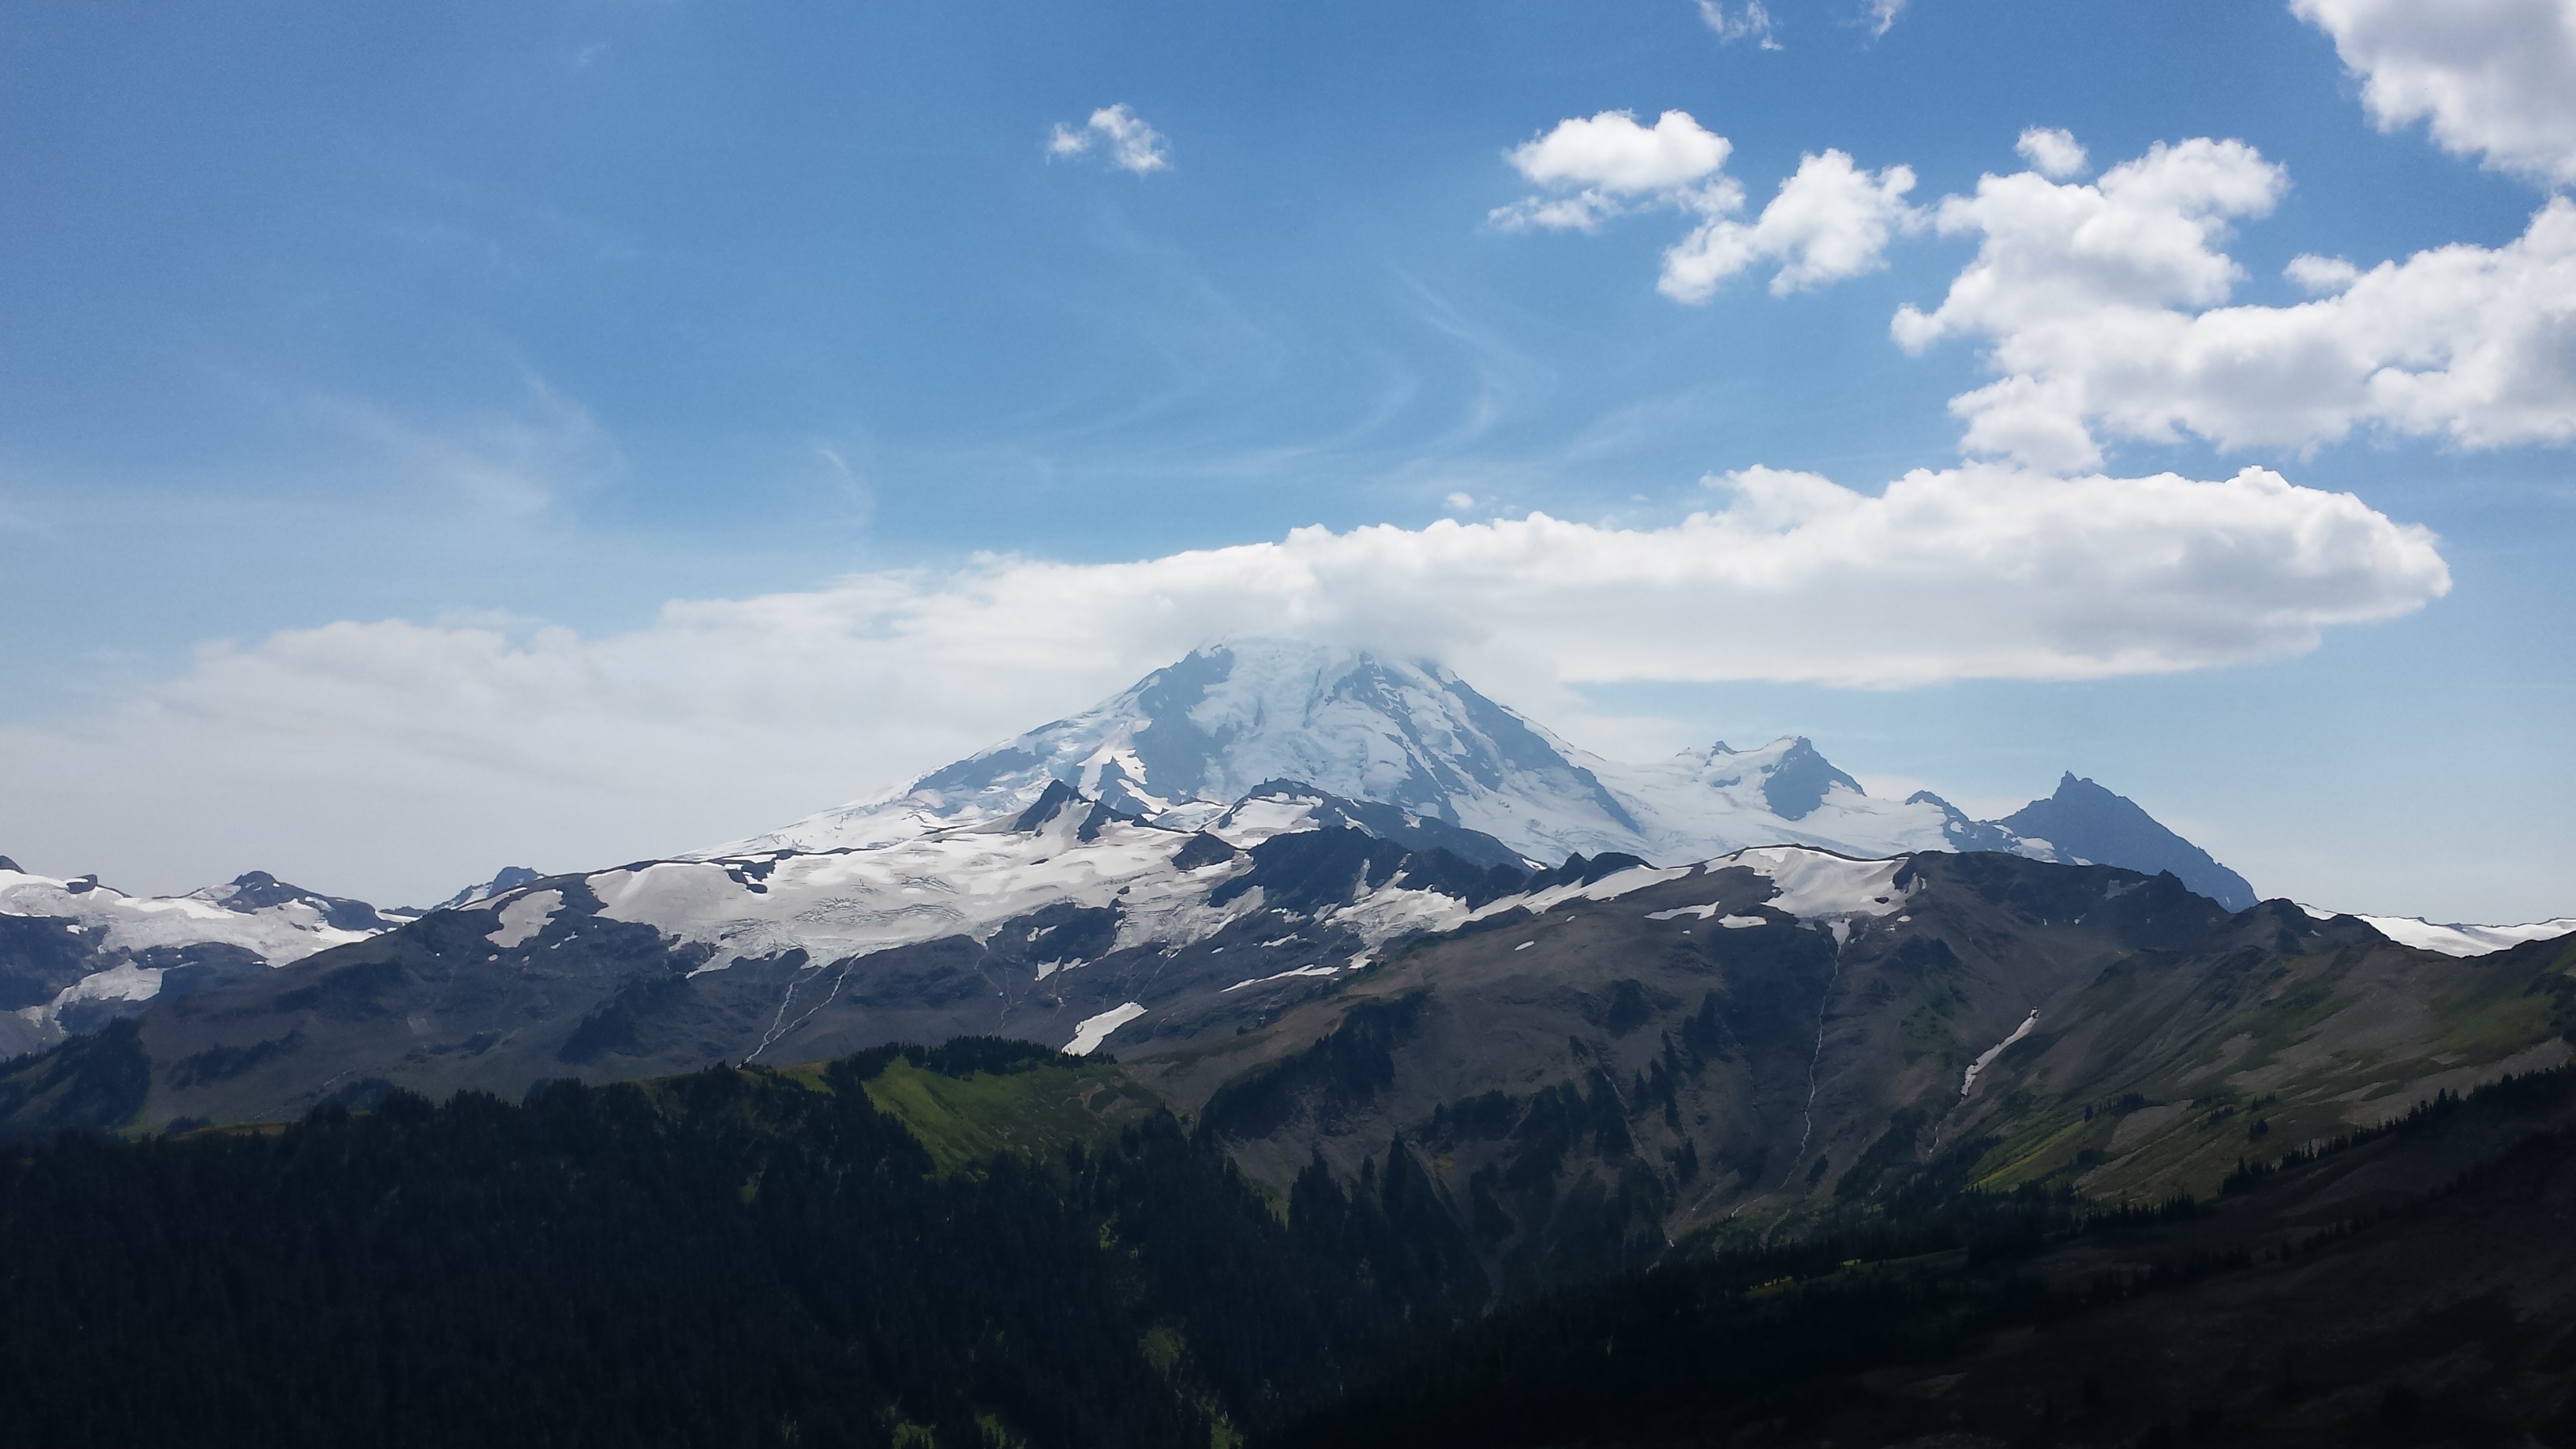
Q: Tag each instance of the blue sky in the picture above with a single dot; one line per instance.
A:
(509, 325)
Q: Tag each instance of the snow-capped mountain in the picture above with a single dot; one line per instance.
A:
(1236, 834)
(1204, 760)
(1187, 741)
(74, 952)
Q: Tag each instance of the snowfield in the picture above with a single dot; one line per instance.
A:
(130, 941)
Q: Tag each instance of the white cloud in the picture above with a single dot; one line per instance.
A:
(2051, 152)
(2495, 78)
(2103, 308)
(1882, 15)
(2321, 275)
(1750, 23)
(1599, 166)
(1610, 152)
(400, 759)
(1830, 221)
(1132, 145)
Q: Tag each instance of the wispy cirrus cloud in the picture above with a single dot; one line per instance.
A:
(1750, 22)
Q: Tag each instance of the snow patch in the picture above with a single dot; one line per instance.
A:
(123, 981)
(523, 919)
(1609, 888)
(1986, 1058)
(1096, 1029)
(1300, 971)
(1702, 913)
(1818, 883)
(1257, 818)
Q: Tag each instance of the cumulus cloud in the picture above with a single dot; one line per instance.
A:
(2321, 275)
(430, 742)
(2103, 308)
(1829, 221)
(1750, 23)
(2051, 152)
(2494, 78)
(1127, 142)
(1595, 167)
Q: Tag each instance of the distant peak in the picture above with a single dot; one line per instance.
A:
(11, 866)
(1798, 784)
(2085, 820)
(507, 878)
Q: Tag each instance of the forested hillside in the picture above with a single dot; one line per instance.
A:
(2413, 1284)
(984, 1243)
(729, 1257)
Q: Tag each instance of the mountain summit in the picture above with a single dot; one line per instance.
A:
(2084, 821)
(1185, 742)
(1188, 740)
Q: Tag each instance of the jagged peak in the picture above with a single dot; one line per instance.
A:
(1800, 780)
(1050, 803)
(2085, 820)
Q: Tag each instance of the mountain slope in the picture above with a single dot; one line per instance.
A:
(75, 954)
(1062, 925)
(1604, 1069)
(2409, 1288)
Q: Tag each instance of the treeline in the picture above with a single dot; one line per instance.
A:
(2520, 1092)
(729, 1258)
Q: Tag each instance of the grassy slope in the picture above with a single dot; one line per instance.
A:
(1036, 1111)
(2306, 1049)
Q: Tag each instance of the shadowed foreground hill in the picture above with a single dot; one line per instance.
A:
(984, 1244)
(2412, 1285)
(732, 1257)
